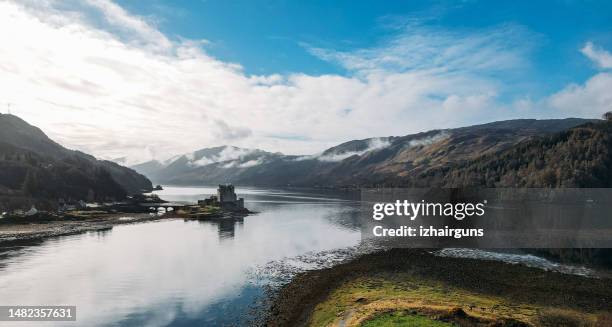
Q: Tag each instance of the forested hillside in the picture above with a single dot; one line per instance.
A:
(578, 157)
(36, 170)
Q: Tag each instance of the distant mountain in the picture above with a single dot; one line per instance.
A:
(34, 166)
(359, 162)
(149, 168)
(206, 166)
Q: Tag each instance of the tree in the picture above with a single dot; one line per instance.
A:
(607, 116)
(30, 184)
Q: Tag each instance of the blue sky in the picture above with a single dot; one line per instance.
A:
(272, 36)
(171, 77)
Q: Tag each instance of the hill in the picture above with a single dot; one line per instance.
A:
(34, 168)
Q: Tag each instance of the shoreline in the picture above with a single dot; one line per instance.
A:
(33, 229)
(389, 282)
(38, 230)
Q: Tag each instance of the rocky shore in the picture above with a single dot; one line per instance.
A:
(414, 285)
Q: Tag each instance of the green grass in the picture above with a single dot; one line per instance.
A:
(400, 286)
(402, 318)
(366, 297)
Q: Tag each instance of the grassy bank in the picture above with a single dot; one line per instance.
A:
(415, 288)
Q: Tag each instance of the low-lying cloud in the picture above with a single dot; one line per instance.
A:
(246, 164)
(374, 144)
(228, 153)
(425, 141)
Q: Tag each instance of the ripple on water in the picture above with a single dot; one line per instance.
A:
(279, 272)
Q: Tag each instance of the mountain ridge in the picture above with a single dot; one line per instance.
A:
(355, 162)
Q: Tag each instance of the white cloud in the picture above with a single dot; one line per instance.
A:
(425, 141)
(251, 163)
(102, 80)
(589, 100)
(202, 161)
(439, 51)
(229, 153)
(246, 164)
(599, 56)
(374, 144)
(118, 17)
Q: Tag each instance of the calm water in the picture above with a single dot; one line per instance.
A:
(184, 273)
(175, 272)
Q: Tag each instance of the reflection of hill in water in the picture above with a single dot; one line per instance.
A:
(20, 247)
(15, 248)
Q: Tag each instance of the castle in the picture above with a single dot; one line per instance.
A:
(226, 198)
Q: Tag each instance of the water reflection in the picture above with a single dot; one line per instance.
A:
(101, 233)
(226, 226)
(175, 272)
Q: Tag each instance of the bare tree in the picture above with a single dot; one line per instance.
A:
(607, 116)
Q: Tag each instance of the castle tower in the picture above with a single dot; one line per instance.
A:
(225, 193)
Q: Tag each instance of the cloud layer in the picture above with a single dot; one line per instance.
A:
(228, 153)
(100, 79)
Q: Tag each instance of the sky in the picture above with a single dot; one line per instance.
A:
(146, 80)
